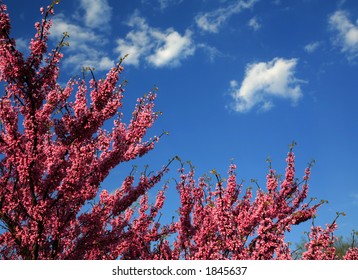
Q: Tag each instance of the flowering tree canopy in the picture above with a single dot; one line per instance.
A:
(55, 154)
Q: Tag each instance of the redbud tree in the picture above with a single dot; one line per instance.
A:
(55, 153)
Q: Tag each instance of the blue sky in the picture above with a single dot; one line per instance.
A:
(237, 79)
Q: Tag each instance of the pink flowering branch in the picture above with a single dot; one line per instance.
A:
(219, 224)
(55, 155)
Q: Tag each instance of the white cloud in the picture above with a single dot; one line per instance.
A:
(346, 33)
(97, 13)
(312, 47)
(254, 24)
(212, 21)
(84, 43)
(175, 47)
(265, 81)
(96, 60)
(79, 35)
(158, 47)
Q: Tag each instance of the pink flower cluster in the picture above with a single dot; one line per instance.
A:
(227, 223)
(55, 154)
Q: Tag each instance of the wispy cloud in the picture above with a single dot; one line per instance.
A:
(210, 51)
(212, 21)
(22, 45)
(254, 23)
(80, 35)
(84, 42)
(312, 47)
(346, 36)
(265, 81)
(157, 47)
(98, 13)
(163, 4)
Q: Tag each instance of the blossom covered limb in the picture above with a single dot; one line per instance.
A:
(55, 153)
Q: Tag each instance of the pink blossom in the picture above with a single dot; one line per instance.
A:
(351, 254)
(55, 155)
